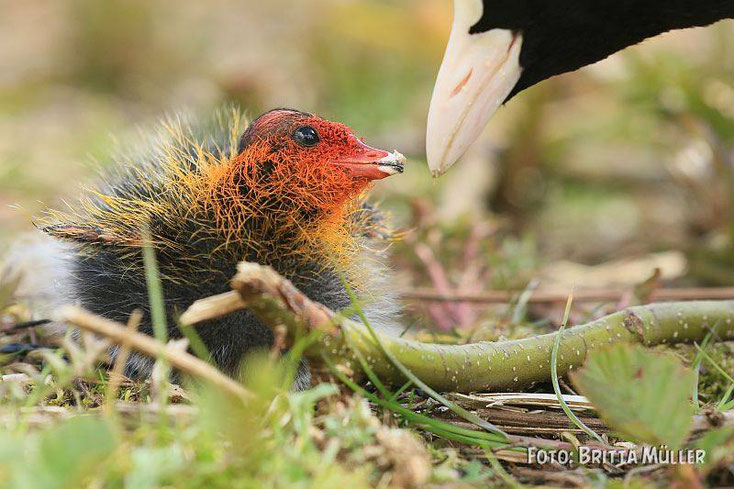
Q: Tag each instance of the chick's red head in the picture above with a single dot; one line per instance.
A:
(298, 159)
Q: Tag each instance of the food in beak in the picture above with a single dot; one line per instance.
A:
(392, 163)
(376, 165)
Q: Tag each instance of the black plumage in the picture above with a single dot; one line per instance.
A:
(498, 48)
(210, 201)
(564, 35)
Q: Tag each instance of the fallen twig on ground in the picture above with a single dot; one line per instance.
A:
(552, 296)
(514, 364)
(118, 333)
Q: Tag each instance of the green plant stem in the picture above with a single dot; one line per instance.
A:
(505, 365)
(517, 364)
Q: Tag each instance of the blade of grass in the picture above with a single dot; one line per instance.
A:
(397, 393)
(458, 410)
(522, 302)
(554, 377)
(373, 377)
(714, 364)
(724, 403)
(116, 375)
(371, 374)
(450, 435)
(294, 355)
(39, 391)
(697, 365)
(158, 319)
(195, 342)
(430, 424)
(155, 291)
(428, 420)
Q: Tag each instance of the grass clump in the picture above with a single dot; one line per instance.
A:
(276, 439)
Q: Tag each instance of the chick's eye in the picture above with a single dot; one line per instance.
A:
(306, 136)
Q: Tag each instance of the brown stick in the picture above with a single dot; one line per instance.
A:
(276, 301)
(504, 365)
(212, 307)
(601, 295)
(545, 421)
(182, 360)
(228, 302)
(709, 420)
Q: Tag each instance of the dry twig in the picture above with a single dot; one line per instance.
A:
(544, 296)
(513, 364)
(185, 362)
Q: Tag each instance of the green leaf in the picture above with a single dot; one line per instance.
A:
(151, 466)
(65, 456)
(641, 394)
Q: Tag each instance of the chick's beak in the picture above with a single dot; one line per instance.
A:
(372, 163)
(477, 73)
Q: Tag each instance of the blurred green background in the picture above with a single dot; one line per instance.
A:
(622, 159)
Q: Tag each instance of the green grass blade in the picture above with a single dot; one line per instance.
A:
(480, 438)
(554, 377)
(724, 403)
(697, 360)
(155, 290)
(195, 342)
(714, 364)
(397, 393)
(458, 410)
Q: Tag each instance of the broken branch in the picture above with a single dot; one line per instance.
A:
(505, 365)
(181, 360)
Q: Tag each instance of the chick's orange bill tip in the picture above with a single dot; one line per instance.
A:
(372, 163)
(477, 74)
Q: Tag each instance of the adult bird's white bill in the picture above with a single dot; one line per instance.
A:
(498, 48)
(477, 74)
